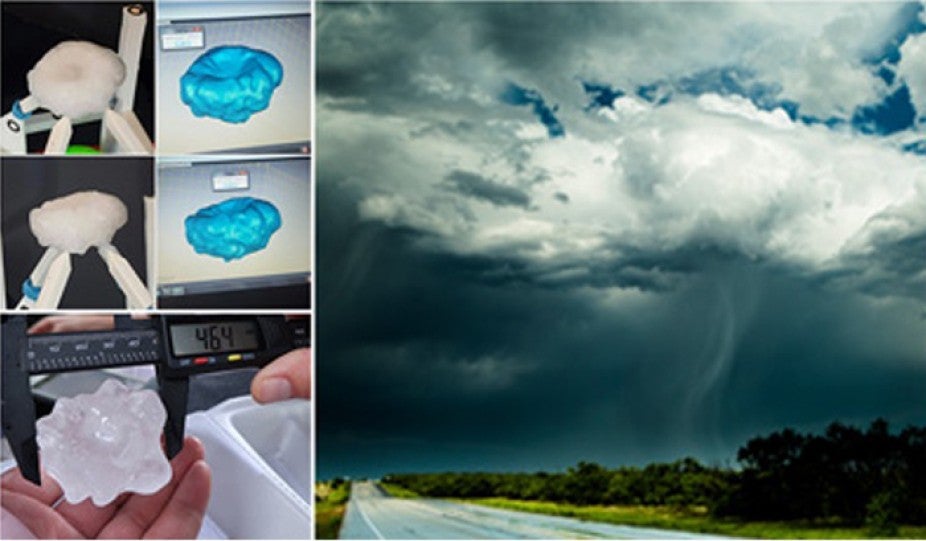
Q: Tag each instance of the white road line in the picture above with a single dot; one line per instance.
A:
(366, 519)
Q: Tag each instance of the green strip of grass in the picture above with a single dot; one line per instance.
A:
(330, 504)
(692, 520)
(397, 491)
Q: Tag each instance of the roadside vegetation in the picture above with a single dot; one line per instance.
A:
(398, 491)
(845, 483)
(330, 503)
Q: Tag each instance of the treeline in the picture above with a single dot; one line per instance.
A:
(846, 473)
(685, 482)
(856, 476)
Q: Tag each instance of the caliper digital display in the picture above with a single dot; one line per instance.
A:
(196, 344)
(217, 337)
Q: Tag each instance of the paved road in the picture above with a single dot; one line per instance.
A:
(372, 514)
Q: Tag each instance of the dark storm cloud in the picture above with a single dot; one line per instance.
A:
(475, 186)
(452, 129)
(897, 269)
(426, 364)
(373, 51)
(440, 347)
(367, 55)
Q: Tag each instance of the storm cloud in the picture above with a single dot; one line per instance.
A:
(719, 247)
(473, 185)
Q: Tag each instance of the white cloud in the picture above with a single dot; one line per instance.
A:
(912, 69)
(711, 171)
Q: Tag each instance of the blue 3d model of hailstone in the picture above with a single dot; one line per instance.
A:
(230, 83)
(233, 228)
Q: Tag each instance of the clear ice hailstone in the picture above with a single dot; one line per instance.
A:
(75, 222)
(102, 444)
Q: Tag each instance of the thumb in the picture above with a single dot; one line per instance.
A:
(289, 376)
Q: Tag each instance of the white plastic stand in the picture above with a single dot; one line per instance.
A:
(45, 286)
(136, 293)
(131, 41)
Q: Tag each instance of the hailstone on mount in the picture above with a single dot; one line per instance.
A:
(75, 222)
(76, 78)
(103, 444)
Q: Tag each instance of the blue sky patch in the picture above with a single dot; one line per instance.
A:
(894, 114)
(602, 95)
(518, 95)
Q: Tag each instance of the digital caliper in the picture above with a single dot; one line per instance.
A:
(178, 346)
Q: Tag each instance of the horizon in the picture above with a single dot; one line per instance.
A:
(728, 465)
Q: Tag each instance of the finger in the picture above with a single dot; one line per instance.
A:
(44, 325)
(182, 518)
(86, 517)
(289, 376)
(59, 324)
(139, 511)
(48, 493)
(41, 519)
(13, 528)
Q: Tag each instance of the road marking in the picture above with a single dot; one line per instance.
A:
(369, 523)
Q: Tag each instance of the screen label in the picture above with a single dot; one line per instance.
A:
(213, 337)
(227, 182)
(179, 39)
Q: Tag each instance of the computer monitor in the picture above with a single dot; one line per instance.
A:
(201, 187)
(279, 33)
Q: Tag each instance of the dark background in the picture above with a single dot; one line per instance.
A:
(293, 297)
(30, 29)
(28, 182)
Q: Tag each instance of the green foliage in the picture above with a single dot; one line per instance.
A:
(790, 476)
(397, 491)
(882, 516)
(682, 483)
(330, 503)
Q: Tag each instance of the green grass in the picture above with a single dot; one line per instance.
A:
(692, 519)
(397, 491)
(330, 504)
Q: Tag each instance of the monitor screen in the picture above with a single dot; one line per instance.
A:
(234, 80)
(233, 225)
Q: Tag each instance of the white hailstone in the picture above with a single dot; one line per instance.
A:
(76, 78)
(103, 444)
(78, 221)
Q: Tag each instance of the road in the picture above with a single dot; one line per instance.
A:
(372, 514)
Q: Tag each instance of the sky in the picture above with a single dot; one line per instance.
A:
(624, 233)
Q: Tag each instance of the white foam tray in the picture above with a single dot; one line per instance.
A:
(261, 468)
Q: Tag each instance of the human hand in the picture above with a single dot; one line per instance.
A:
(289, 376)
(174, 512)
(74, 323)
